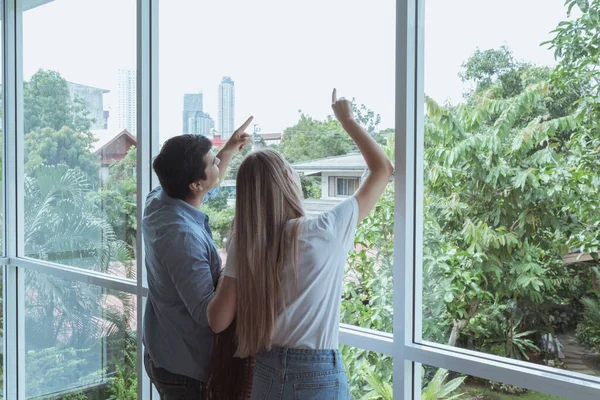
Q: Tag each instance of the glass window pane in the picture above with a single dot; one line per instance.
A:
(209, 95)
(80, 340)
(439, 380)
(80, 134)
(510, 257)
(369, 373)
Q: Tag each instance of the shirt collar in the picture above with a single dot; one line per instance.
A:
(185, 207)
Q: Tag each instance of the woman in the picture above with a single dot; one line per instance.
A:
(284, 272)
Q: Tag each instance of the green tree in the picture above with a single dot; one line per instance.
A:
(218, 202)
(496, 72)
(311, 186)
(507, 190)
(220, 223)
(496, 190)
(56, 126)
(64, 146)
(367, 292)
(237, 159)
(63, 224)
(311, 139)
(576, 45)
(69, 323)
(47, 104)
(497, 69)
(485, 67)
(577, 48)
(118, 199)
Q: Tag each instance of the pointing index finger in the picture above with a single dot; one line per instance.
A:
(245, 124)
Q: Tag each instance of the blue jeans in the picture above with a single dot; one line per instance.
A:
(172, 386)
(281, 374)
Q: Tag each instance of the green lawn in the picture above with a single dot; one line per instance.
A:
(490, 395)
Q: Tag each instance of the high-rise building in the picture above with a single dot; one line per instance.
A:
(192, 105)
(93, 100)
(127, 101)
(195, 120)
(226, 107)
(193, 102)
(200, 124)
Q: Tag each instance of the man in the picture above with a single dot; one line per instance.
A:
(182, 262)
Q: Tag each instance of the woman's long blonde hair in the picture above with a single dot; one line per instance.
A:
(268, 195)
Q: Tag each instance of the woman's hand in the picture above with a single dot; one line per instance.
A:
(342, 108)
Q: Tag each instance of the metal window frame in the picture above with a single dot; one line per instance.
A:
(409, 263)
(10, 278)
(13, 159)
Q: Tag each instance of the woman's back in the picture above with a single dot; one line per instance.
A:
(283, 280)
(312, 289)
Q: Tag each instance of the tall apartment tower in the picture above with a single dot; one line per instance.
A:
(226, 107)
(127, 101)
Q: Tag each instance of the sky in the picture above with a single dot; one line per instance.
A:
(283, 56)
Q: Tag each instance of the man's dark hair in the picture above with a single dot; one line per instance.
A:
(181, 162)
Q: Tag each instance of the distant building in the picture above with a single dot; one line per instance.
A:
(200, 123)
(226, 107)
(114, 151)
(127, 100)
(271, 139)
(195, 120)
(94, 103)
(340, 176)
(193, 102)
(217, 141)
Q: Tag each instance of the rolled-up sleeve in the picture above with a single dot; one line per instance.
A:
(188, 264)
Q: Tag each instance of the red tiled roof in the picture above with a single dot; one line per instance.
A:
(218, 142)
(114, 139)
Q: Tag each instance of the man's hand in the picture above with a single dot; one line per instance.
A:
(239, 139)
(234, 145)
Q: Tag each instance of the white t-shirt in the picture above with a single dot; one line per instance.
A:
(312, 315)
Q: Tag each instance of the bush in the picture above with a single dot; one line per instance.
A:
(504, 388)
(220, 222)
(588, 330)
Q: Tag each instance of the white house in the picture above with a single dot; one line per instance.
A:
(340, 176)
(271, 139)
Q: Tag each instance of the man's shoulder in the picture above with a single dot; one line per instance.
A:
(180, 231)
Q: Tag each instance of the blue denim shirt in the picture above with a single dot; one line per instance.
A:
(183, 267)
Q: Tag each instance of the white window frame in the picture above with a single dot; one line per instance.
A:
(405, 345)
(410, 350)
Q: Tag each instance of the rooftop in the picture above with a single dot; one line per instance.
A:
(69, 83)
(348, 162)
(104, 140)
(270, 136)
